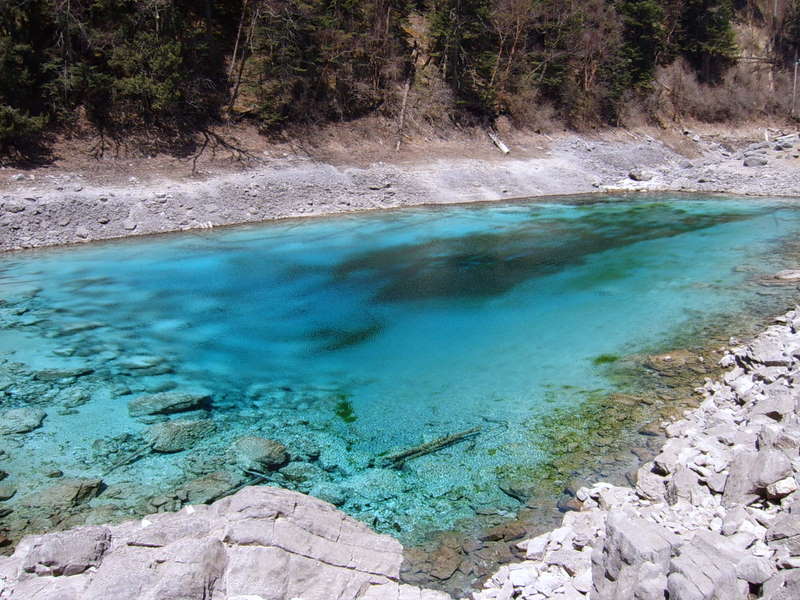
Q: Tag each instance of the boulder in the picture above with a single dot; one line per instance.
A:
(67, 553)
(702, 570)
(770, 467)
(208, 488)
(165, 403)
(177, 435)
(301, 472)
(259, 543)
(21, 420)
(635, 551)
(259, 454)
(68, 493)
(640, 175)
(329, 492)
(755, 161)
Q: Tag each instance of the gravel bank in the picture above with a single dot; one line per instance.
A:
(37, 209)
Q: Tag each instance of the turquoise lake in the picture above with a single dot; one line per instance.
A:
(348, 337)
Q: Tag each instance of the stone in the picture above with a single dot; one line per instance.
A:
(21, 420)
(68, 493)
(788, 275)
(755, 570)
(770, 467)
(277, 544)
(329, 492)
(301, 472)
(177, 435)
(141, 362)
(700, 571)
(755, 161)
(165, 403)
(67, 553)
(7, 492)
(208, 488)
(640, 175)
(259, 454)
(630, 542)
(782, 488)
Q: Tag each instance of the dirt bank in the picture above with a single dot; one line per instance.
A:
(59, 205)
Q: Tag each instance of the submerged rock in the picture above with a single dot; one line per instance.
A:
(66, 494)
(259, 454)
(21, 420)
(165, 403)
(329, 492)
(177, 435)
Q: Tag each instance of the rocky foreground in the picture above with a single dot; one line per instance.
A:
(262, 543)
(716, 515)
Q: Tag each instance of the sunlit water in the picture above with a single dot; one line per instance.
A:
(349, 337)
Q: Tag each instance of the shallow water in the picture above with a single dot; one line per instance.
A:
(348, 337)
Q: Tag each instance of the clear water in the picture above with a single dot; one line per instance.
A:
(348, 337)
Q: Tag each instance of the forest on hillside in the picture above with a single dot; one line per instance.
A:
(172, 69)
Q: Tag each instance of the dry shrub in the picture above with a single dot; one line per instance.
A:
(528, 110)
(749, 90)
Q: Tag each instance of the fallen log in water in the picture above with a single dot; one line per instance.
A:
(396, 460)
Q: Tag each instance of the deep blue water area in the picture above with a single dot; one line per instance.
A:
(349, 337)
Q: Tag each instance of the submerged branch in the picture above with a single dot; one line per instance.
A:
(396, 460)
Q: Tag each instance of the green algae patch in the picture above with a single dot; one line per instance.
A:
(344, 410)
(605, 359)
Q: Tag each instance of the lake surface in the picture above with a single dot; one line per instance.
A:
(351, 337)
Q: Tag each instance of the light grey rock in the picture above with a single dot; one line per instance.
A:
(165, 403)
(177, 435)
(260, 543)
(770, 466)
(21, 420)
(755, 161)
(651, 583)
(755, 570)
(701, 571)
(682, 485)
(67, 553)
(741, 487)
(630, 542)
(768, 352)
(785, 531)
(259, 454)
(640, 175)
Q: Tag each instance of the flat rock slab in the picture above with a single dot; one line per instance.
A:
(263, 542)
(165, 403)
(21, 420)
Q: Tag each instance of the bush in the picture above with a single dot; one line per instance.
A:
(20, 133)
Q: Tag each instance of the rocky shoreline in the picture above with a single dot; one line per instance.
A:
(714, 515)
(44, 209)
